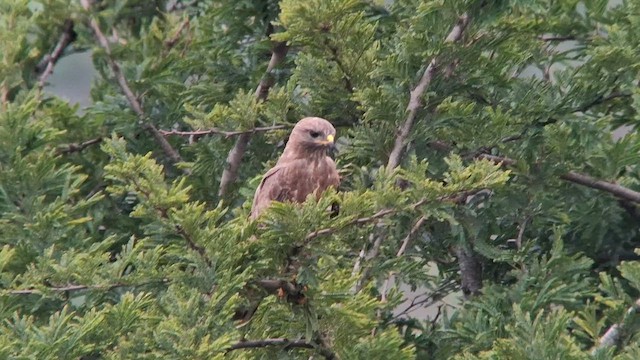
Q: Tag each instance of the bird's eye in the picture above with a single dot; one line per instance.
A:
(314, 134)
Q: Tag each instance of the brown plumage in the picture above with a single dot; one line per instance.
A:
(304, 167)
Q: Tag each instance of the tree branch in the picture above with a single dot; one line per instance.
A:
(192, 244)
(401, 251)
(170, 43)
(70, 288)
(45, 67)
(415, 100)
(230, 172)
(556, 37)
(75, 147)
(616, 331)
(571, 176)
(4, 96)
(216, 131)
(286, 344)
(454, 198)
(615, 189)
(578, 178)
(128, 93)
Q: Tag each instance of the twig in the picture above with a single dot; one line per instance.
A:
(70, 288)
(170, 43)
(426, 300)
(556, 38)
(216, 131)
(600, 100)
(4, 96)
(180, 5)
(45, 67)
(285, 343)
(358, 221)
(415, 101)
(375, 250)
(455, 198)
(403, 248)
(75, 147)
(521, 228)
(361, 257)
(334, 57)
(131, 97)
(615, 332)
(192, 245)
(230, 172)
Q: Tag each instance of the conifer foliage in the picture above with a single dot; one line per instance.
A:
(485, 212)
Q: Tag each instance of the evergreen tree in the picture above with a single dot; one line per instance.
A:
(477, 162)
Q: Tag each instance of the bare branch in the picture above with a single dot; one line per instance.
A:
(615, 189)
(216, 131)
(600, 100)
(45, 67)
(616, 331)
(248, 344)
(71, 288)
(230, 172)
(170, 43)
(415, 101)
(403, 248)
(192, 244)
(4, 96)
(286, 344)
(366, 274)
(75, 147)
(578, 178)
(453, 198)
(426, 300)
(336, 59)
(176, 5)
(131, 97)
(556, 37)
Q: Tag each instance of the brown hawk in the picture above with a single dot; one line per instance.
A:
(304, 167)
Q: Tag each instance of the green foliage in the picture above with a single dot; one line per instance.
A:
(113, 251)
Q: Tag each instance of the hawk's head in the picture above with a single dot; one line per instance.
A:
(312, 134)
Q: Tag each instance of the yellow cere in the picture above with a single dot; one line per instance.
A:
(330, 138)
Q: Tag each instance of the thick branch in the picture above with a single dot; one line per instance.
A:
(45, 67)
(574, 177)
(230, 172)
(415, 100)
(615, 189)
(580, 179)
(616, 331)
(134, 103)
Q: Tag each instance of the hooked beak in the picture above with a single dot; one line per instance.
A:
(329, 142)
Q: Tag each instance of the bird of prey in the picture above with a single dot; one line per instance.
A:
(304, 167)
